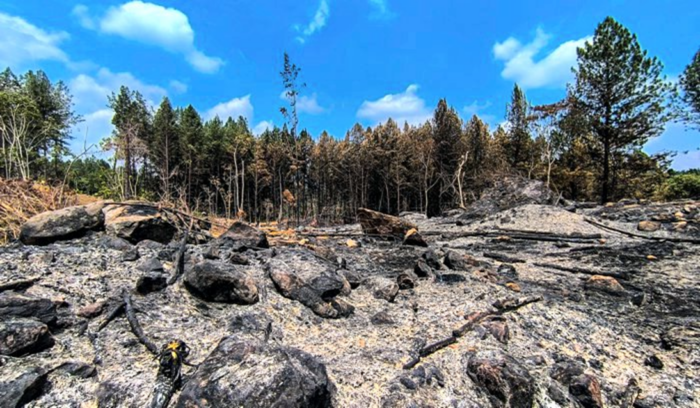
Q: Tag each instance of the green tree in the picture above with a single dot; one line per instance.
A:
(131, 122)
(447, 133)
(519, 141)
(621, 91)
(164, 148)
(690, 84)
(192, 146)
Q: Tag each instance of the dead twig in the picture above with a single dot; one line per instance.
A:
(473, 319)
(113, 314)
(642, 236)
(136, 326)
(575, 269)
(503, 258)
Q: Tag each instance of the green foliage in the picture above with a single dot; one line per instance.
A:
(679, 186)
(690, 83)
(621, 92)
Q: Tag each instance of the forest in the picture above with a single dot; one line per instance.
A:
(586, 147)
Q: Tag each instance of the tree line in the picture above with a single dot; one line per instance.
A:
(587, 146)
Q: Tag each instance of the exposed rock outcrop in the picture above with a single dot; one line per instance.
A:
(66, 223)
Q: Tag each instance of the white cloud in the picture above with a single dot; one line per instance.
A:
(402, 107)
(478, 109)
(381, 9)
(551, 70)
(152, 24)
(232, 109)
(22, 42)
(82, 13)
(94, 127)
(307, 104)
(316, 23)
(178, 87)
(262, 126)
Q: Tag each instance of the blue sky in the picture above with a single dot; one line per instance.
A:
(362, 60)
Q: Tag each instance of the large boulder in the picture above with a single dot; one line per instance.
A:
(136, 222)
(241, 236)
(66, 223)
(509, 192)
(506, 382)
(219, 282)
(20, 336)
(247, 375)
(314, 282)
(376, 223)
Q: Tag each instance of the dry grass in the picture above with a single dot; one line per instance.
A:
(20, 200)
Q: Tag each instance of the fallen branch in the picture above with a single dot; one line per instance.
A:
(503, 258)
(113, 314)
(18, 284)
(642, 236)
(575, 269)
(136, 326)
(529, 236)
(180, 258)
(473, 319)
(551, 234)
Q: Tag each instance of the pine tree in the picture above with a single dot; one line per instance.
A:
(690, 84)
(191, 147)
(447, 132)
(519, 138)
(164, 148)
(621, 90)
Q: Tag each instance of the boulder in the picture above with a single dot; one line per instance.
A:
(505, 381)
(310, 280)
(376, 223)
(241, 236)
(248, 374)
(220, 282)
(506, 193)
(649, 226)
(135, 223)
(24, 388)
(66, 223)
(20, 336)
(16, 305)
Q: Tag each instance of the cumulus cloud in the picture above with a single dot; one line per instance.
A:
(151, 24)
(232, 109)
(524, 64)
(317, 22)
(263, 126)
(403, 107)
(381, 9)
(22, 42)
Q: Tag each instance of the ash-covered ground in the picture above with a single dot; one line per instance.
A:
(325, 323)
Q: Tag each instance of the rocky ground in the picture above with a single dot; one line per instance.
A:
(605, 318)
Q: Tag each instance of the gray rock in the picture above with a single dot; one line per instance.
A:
(24, 388)
(66, 223)
(241, 236)
(506, 382)
(247, 375)
(19, 337)
(152, 281)
(16, 305)
(219, 282)
(509, 192)
(136, 223)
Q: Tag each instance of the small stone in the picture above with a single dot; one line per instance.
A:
(432, 259)
(606, 284)
(382, 318)
(19, 337)
(130, 255)
(414, 238)
(649, 226)
(508, 271)
(680, 226)
(216, 282)
(238, 259)
(640, 299)
(456, 261)
(351, 243)
(385, 289)
(408, 383)
(422, 269)
(91, 310)
(406, 280)
(654, 361)
(513, 286)
(78, 369)
(152, 281)
(149, 265)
